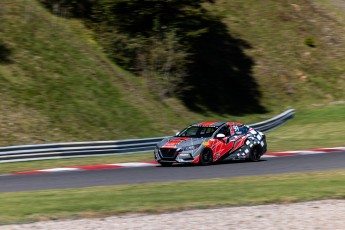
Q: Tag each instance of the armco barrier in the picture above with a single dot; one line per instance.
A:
(103, 148)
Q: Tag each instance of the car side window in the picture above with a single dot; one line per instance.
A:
(225, 130)
(239, 130)
(206, 130)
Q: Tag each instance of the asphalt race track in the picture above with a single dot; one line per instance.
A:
(77, 179)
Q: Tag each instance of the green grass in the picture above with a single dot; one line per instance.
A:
(311, 128)
(20, 207)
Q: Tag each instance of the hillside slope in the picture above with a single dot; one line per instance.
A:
(289, 70)
(58, 85)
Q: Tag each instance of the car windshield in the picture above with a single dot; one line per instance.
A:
(197, 131)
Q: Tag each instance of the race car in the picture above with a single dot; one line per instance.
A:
(205, 143)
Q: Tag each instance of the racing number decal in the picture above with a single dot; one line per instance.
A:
(236, 128)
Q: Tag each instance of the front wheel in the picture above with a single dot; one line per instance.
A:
(166, 164)
(255, 154)
(206, 157)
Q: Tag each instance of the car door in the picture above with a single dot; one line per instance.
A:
(221, 146)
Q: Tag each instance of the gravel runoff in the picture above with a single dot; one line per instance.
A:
(326, 214)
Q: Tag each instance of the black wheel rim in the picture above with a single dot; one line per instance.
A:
(206, 157)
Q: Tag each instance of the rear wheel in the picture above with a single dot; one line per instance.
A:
(166, 164)
(206, 157)
(255, 154)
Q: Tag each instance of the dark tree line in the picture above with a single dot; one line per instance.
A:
(178, 46)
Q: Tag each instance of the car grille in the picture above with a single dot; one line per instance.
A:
(167, 153)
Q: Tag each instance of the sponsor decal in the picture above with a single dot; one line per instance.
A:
(206, 143)
(232, 131)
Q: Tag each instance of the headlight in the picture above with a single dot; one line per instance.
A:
(192, 147)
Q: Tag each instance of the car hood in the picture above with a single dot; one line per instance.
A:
(179, 142)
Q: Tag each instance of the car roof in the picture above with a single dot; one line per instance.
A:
(216, 123)
(209, 124)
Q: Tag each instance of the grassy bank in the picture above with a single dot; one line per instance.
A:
(21, 207)
(311, 128)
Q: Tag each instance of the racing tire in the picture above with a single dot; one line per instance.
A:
(165, 164)
(255, 154)
(206, 157)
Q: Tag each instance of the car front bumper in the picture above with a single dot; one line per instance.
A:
(178, 156)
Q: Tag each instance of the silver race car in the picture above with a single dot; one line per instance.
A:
(207, 142)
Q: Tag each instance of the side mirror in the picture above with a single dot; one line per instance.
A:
(220, 135)
(177, 133)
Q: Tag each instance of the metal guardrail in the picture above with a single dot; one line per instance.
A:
(104, 148)
(274, 122)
